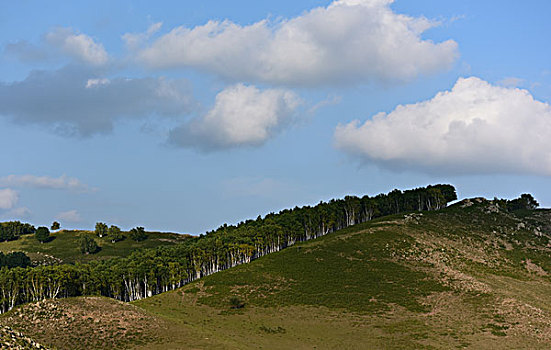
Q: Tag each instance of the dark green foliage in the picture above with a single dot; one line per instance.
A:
(236, 303)
(115, 234)
(12, 230)
(42, 234)
(274, 330)
(101, 229)
(525, 201)
(88, 245)
(138, 234)
(55, 226)
(14, 259)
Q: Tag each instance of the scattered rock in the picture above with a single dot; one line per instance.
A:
(11, 339)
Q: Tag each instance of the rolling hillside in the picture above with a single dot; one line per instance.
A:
(468, 276)
(64, 246)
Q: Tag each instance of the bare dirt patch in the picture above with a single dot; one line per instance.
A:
(85, 323)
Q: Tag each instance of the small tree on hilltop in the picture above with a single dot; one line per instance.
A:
(88, 245)
(115, 234)
(42, 234)
(101, 229)
(55, 226)
(525, 201)
(138, 234)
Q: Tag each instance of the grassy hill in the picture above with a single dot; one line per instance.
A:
(64, 246)
(468, 276)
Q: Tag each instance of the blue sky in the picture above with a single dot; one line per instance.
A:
(182, 115)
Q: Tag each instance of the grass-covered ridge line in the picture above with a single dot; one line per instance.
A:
(151, 271)
(473, 275)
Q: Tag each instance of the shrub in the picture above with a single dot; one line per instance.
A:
(88, 245)
(42, 234)
(138, 234)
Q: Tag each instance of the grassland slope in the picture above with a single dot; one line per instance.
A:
(469, 276)
(64, 246)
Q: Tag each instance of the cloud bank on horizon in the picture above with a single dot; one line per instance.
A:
(474, 128)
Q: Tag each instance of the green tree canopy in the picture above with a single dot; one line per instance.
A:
(101, 229)
(115, 234)
(88, 245)
(12, 230)
(14, 259)
(42, 234)
(525, 201)
(55, 226)
(138, 234)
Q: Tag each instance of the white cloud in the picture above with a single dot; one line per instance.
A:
(134, 41)
(78, 100)
(8, 198)
(474, 128)
(352, 41)
(60, 183)
(79, 46)
(21, 213)
(242, 116)
(72, 216)
(97, 82)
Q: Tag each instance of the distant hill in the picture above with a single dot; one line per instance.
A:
(64, 246)
(472, 275)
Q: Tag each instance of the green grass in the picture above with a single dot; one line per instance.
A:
(457, 278)
(437, 283)
(65, 246)
(354, 272)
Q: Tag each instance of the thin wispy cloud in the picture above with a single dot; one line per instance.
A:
(62, 182)
(72, 216)
(8, 198)
(20, 213)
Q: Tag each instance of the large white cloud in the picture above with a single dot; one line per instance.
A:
(79, 46)
(241, 116)
(59, 183)
(74, 99)
(474, 128)
(352, 41)
(8, 198)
